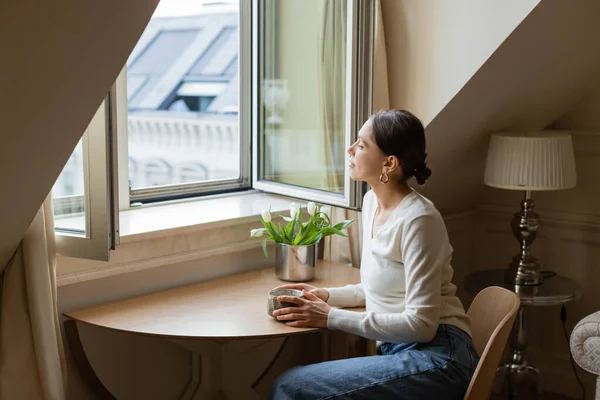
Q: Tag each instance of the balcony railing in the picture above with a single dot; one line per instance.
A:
(219, 134)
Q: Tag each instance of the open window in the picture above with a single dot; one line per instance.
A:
(311, 92)
(222, 96)
(84, 195)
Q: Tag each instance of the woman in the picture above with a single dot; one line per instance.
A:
(420, 326)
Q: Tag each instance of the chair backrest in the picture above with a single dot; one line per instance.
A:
(492, 313)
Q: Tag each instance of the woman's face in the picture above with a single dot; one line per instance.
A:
(366, 159)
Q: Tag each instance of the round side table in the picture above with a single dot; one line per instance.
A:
(554, 290)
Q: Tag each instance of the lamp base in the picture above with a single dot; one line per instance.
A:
(524, 273)
(524, 268)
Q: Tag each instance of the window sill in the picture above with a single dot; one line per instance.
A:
(158, 235)
(159, 220)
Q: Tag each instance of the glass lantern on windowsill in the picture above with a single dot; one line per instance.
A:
(276, 95)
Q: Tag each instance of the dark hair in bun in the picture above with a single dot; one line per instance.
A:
(399, 133)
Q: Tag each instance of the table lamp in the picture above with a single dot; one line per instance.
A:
(541, 160)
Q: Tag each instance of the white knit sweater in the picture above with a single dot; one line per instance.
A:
(405, 277)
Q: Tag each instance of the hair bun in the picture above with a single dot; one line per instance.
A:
(422, 173)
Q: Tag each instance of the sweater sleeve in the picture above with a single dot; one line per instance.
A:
(424, 253)
(346, 296)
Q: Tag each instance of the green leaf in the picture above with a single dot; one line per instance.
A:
(311, 230)
(325, 218)
(344, 224)
(264, 247)
(299, 214)
(289, 230)
(285, 238)
(304, 228)
(332, 231)
(273, 231)
(314, 239)
(299, 238)
(311, 239)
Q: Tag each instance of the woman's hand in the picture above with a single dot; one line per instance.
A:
(321, 293)
(310, 311)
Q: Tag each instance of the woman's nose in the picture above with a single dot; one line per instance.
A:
(350, 150)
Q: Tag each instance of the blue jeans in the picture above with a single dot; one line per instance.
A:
(440, 369)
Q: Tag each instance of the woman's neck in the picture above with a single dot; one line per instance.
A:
(390, 195)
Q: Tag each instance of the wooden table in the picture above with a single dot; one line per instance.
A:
(205, 318)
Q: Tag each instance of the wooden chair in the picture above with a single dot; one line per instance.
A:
(492, 313)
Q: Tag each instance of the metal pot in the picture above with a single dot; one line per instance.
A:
(295, 263)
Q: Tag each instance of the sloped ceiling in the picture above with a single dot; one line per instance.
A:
(546, 67)
(59, 59)
(435, 47)
(585, 115)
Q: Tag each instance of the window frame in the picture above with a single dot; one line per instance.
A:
(100, 192)
(359, 103)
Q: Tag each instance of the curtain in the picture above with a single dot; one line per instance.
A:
(381, 95)
(332, 84)
(32, 363)
(337, 248)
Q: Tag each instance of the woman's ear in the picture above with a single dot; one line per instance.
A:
(391, 163)
(393, 166)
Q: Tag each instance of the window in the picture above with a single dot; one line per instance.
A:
(228, 95)
(312, 93)
(182, 102)
(84, 201)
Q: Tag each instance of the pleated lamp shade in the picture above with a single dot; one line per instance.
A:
(542, 160)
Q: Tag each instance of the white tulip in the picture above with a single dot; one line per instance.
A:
(326, 210)
(266, 215)
(311, 207)
(294, 210)
(257, 232)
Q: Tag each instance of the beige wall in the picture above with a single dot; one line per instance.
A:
(59, 60)
(435, 47)
(540, 72)
(584, 115)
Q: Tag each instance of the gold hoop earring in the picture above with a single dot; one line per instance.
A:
(384, 176)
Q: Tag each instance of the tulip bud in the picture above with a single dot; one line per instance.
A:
(326, 210)
(257, 232)
(266, 215)
(311, 207)
(293, 210)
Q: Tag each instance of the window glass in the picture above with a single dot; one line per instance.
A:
(182, 89)
(68, 195)
(303, 87)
